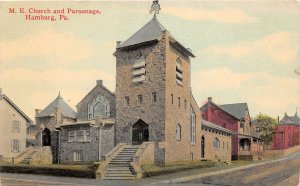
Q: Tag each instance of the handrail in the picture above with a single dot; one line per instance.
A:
(140, 151)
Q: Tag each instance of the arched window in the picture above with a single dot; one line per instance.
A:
(99, 107)
(216, 143)
(193, 126)
(178, 132)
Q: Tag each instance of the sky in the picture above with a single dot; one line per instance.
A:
(245, 51)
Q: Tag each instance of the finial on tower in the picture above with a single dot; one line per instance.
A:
(155, 7)
(58, 94)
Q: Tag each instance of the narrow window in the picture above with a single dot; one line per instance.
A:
(154, 97)
(80, 136)
(223, 145)
(107, 109)
(15, 145)
(140, 99)
(227, 145)
(185, 104)
(193, 126)
(179, 102)
(78, 155)
(178, 132)
(172, 98)
(127, 101)
(71, 136)
(16, 126)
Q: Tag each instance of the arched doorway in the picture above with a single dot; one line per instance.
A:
(140, 132)
(46, 137)
(202, 147)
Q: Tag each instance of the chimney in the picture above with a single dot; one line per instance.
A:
(118, 43)
(209, 109)
(209, 99)
(37, 111)
(99, 82)
(277, 119)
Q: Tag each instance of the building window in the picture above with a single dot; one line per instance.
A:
(99, 106)
(185, 104)
(78, 155)
(71, 136)
(216, 143)
(154, 97)
(223, 145)
(193, 126)
(79, 136)
(179, 72)
(227, 145)
(16, 126)
(178, 132)
(127, 101)
(241, 124)
(172, 98)
(179, 102)
(139, 70)
(15, 145)
(140, 99)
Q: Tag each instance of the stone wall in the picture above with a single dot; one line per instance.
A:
(99, 89)
(152, 113)
(107, 139)
(90, 149)
(217, 154)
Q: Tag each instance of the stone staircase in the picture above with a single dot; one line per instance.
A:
(119, 167)
(29, 156)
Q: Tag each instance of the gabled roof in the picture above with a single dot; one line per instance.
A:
(152, 31)
(236, 109)
(17, 109)
(97, 85)
(149, 32)
(65, 109)
(288, 120)
(219, 108)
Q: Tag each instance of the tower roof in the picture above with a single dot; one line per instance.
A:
(152, 31)
(66, 110)
(149, 32)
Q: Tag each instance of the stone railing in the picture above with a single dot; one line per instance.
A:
(42, 156)
(103, 164)
(24, 154)
(144, 155)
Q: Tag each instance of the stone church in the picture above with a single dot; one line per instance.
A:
(151, 118)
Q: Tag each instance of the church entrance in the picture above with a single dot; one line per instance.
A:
(140, 132)
(46, 137)
(202, 147)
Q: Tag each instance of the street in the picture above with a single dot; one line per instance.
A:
(283, 173)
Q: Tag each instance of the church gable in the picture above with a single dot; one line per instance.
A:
(99, 101)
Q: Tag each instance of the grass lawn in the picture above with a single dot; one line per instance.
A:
(153, 170)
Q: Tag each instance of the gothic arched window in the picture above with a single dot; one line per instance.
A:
(99, 106)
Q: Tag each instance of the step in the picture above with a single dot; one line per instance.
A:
(118, 178)
(119, 175)
(117, 168)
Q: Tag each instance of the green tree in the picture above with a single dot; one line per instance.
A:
(265, 125)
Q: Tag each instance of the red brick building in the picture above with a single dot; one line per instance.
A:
(287, 133)
(235, 117)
